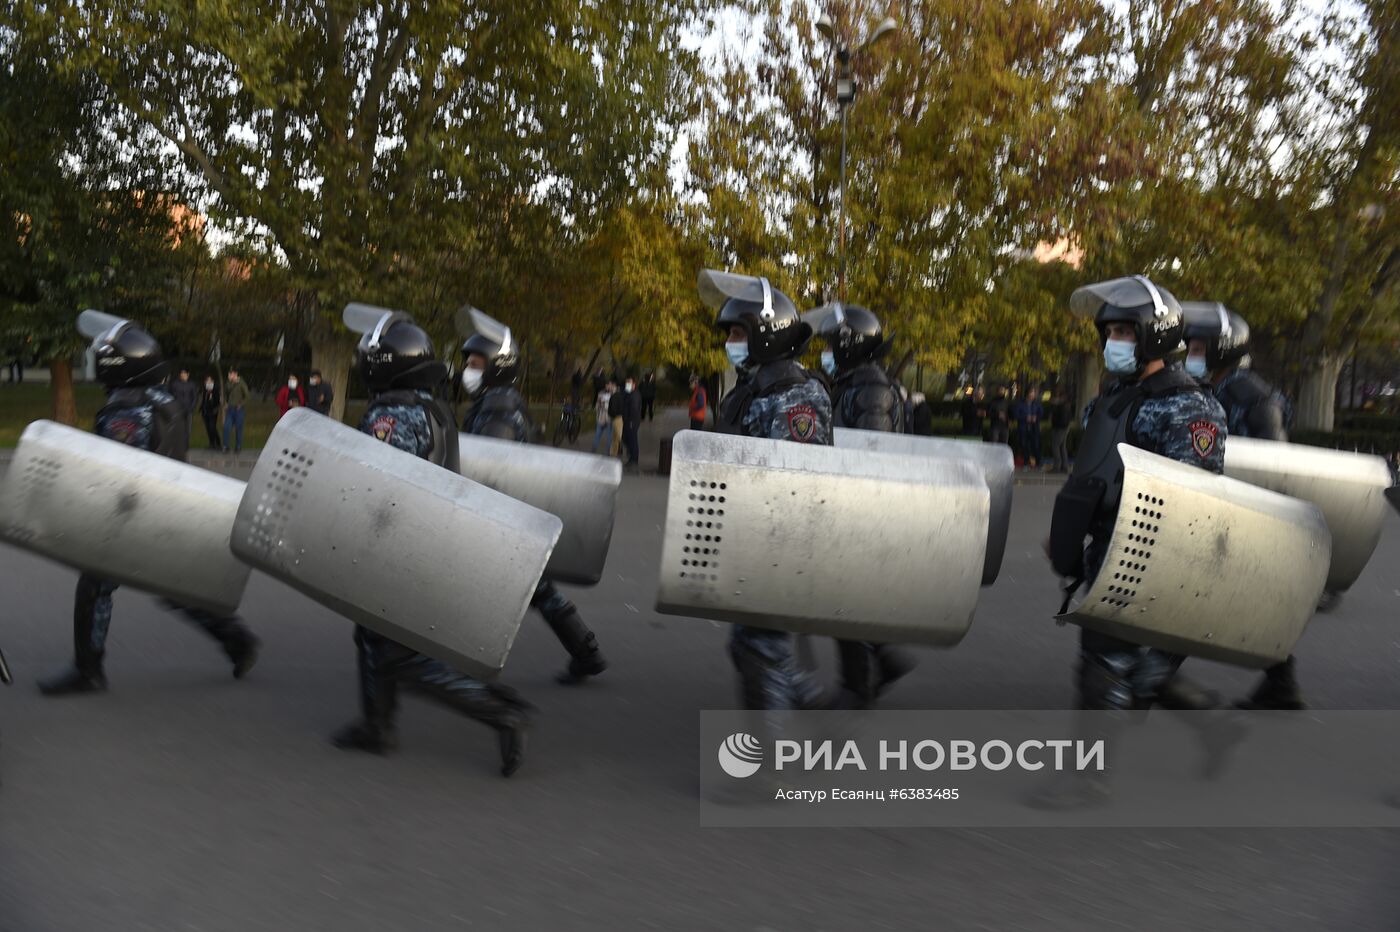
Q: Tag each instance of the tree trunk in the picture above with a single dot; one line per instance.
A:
(1317, 396)
(1086, 370)
(65, 406)
(332, 353)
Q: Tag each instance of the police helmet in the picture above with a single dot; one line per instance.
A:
(775, 329)
(853, 333)
(1152, 311)
(493, 340)
(1225, 333)
(126, 355)
(399, 354)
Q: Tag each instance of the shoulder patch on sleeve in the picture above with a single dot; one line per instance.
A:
(802, 423)
(383, 428)
(1203, 438)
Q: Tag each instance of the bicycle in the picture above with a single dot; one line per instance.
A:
(568, 425)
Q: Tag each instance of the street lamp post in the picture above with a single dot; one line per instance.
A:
(845, 96)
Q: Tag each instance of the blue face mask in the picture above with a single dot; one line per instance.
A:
(738, 353)
(1120, 357)
(828, 362)
(1196, 367)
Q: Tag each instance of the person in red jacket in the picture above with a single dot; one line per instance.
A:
(698, 404)
(290, 396)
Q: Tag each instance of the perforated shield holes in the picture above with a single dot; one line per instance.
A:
(700, 555)
(277, 503)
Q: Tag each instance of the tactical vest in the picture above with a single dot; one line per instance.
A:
(865, 395)
(499, 413)
(1246, 395)
(1091, 494)
(445, 451)
(766, 380)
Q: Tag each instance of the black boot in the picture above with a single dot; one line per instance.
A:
(240, 644)
(590, 662)
(489, 703)
(893, 664)
(92, 614)
(1278, 690)
(512, 739)
(72, 681)
(585, 658)
(375, 731)
(364, 736)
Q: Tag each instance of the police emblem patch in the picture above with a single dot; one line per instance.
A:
(802, 423)
(124, 430)
(383, 427)
(1203, 434)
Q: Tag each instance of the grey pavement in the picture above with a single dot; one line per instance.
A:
(182, 800)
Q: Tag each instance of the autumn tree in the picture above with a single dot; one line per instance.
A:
(353, 136)
(89, 205)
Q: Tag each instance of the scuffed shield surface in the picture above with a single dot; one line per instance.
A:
(995, 460)
(124, 514)
(820, 540)
(408, 549)
(1207, 566)
(1348, 487)
(578, 488)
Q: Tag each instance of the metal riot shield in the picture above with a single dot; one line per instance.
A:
(124, 514)
(1348, 487)
(820, 540)
(1205, 565)
(578, 488)
(408, 549)
(995, 461)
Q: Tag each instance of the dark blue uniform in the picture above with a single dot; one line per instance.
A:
(781, 401)
(151, 419)
(864, 397)
(1254, 409)
(405, 420)
(500, 412)
(1183, 423)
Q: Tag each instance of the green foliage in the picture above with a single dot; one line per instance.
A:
(424, 155)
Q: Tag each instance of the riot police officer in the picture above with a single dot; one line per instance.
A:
(1154, 405)
(492, 367)
(401, 370)
(778, 399)
(139, 412)
(1218, 353)
(863, 396)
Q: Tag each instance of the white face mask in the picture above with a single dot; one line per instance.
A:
(1120, 357)
(630, 386)
(291, 383)
(828, 362)
(738, 353)
(209, 386)
(1196, 367)
(471, 380)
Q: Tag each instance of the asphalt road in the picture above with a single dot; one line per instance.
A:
(182, 800)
